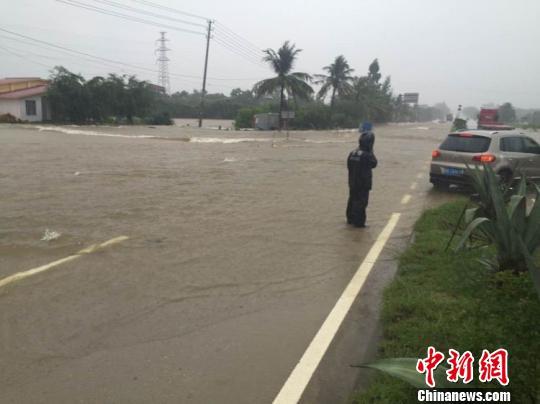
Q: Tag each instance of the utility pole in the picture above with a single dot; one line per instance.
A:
(203, 93)
(163, 63)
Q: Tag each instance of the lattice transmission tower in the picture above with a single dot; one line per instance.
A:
(163, 62)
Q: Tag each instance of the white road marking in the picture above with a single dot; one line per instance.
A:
(406, 198)
(21, 275)
(419, 175)
(413, 186)
(292, 390)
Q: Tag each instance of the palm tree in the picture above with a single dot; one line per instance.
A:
(374, 99)
(338, 79)
(290, 84)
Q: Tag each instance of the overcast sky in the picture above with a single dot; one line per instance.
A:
(466, 52)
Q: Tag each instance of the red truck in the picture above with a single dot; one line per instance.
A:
(488, 118)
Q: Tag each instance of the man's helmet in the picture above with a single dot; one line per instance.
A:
(366, 127)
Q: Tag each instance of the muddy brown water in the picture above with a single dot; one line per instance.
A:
(237, 251)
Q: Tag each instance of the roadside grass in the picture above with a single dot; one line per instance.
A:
(449, 300)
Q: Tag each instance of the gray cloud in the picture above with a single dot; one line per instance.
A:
(462, 52)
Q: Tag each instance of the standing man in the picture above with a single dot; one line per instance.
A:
(360, 164)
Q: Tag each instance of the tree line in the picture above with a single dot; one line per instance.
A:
(111, 99)
(343, 99)
(352, 98)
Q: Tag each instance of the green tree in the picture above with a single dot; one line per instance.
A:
(75, 100)
(374, 75)
(99, 103)
(291, 84)
(139, 98)
(373, 98)
(338, 78)
(507, 113)
(68, 96)
(116, 95)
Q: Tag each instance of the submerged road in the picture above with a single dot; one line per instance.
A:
(230, 250)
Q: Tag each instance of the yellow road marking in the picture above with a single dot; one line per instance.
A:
(405, 199)
(25, 274)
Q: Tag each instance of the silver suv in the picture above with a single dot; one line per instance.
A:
(510, 153)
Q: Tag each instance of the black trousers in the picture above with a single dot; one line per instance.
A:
(356, 207)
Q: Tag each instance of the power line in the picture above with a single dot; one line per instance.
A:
(225, 28)
(230, 44)
(229, 38)
(114, 63)
(78, 4)
(88, 55)
(172, 10)
(226, 38)
(232, 49)
(258, 54)
(23, 57)
(65, 52)
(147, 13)
(218, 25)
(29, 52)
(100, 61)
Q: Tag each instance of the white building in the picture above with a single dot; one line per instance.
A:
(24, 98)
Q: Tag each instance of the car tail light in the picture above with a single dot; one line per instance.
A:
(435, 154)
(484, 158)
(465, 134)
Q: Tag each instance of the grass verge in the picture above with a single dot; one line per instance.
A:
(449, 300)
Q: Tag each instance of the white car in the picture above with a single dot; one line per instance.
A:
(511, 153)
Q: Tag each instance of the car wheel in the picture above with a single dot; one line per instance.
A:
(442, 186)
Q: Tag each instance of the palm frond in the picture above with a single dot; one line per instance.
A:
(298, 87)
(323, 91)
(302, 76)
(267, 86)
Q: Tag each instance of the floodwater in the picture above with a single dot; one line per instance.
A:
(237, 251)
(224, 124)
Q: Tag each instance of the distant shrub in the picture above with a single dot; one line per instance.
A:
(245, 116)
(342, 120)
(312, 116)
(110, 120)
(8, 118)
(159, 119)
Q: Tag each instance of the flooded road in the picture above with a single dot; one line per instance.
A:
(237, 250)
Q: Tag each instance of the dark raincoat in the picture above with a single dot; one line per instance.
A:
(360, 164)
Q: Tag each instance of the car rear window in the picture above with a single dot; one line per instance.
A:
(466, 144)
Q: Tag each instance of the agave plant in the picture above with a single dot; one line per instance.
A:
(503, 221)
(405, 369)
